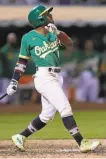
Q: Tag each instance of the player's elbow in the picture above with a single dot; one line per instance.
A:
(65, 40)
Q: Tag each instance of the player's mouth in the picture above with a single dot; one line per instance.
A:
(51, 19)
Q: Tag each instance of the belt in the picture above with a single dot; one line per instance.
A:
(50, 69)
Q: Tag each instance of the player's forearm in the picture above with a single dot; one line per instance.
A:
(19, 69)
(65, 40)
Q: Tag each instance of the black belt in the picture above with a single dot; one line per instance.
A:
(57, 70)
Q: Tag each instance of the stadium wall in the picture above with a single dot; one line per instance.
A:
(60, 13)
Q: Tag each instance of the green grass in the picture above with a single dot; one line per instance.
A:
(92, 124)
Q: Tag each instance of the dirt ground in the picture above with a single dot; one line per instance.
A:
(31, 107)
(50, 149)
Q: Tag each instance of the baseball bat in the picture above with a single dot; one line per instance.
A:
(6, 93)
(3, 96)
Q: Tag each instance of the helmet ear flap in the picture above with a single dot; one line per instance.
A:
(41, 18)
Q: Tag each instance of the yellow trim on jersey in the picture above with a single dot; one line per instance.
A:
(24, 57)
(46, 10)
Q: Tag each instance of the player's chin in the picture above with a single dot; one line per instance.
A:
(51, 21)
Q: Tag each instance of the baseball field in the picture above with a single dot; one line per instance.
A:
(53, 141)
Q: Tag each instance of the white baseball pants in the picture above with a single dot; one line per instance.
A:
(49, 85)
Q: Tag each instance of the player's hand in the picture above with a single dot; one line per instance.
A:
(12, 88)
(52, 28)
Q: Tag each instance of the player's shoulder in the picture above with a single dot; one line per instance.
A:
(28, 35)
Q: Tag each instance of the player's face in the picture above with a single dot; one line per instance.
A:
(49, 18)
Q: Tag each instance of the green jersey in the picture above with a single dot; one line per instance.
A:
(43, 50)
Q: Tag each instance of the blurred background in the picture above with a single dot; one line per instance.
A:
(83, 68)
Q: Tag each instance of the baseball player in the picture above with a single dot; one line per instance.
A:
(88, 86)
(42, 45)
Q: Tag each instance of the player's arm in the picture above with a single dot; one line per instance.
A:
(65, 39)
(62, 36)
(19, 68)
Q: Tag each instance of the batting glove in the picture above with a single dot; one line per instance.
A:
(12, 88)
(52, 28)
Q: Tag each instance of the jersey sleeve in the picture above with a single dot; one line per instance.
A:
(24, 53)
